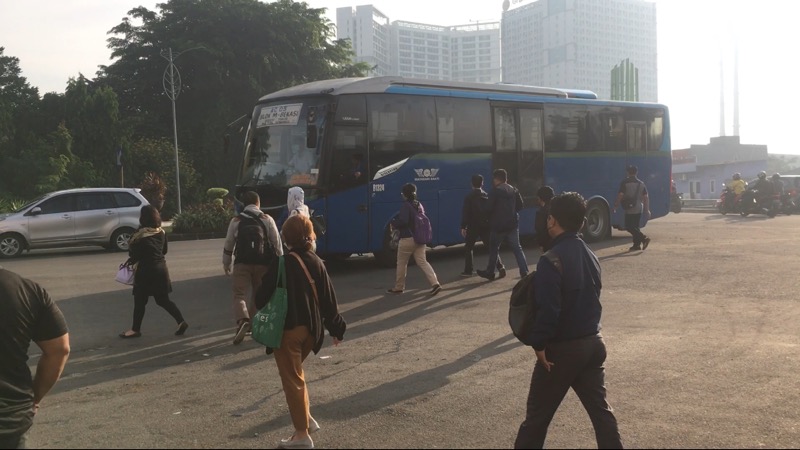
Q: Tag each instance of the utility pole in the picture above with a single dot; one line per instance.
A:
(172, 87)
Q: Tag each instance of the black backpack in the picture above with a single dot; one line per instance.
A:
(630, 202)
(252, 243)
(522, 308)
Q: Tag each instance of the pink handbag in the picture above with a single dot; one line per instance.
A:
(126, 274)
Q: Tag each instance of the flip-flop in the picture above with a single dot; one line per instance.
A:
(129, 336)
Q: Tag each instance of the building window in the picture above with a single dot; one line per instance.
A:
(713, 186)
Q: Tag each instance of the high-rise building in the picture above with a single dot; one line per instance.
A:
(576, 43)
(369, 32)
(415, 50)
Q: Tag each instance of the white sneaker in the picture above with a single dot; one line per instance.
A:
(299, 443)
(313, 426)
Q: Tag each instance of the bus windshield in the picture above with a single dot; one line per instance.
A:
(276, 151)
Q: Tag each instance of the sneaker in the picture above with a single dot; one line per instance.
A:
(485, 274)
(244, 327)
(645, 243)
(394, 291)
(634, 248)
(501, 273)
(467, 274)
(299, 443)
(435, 289)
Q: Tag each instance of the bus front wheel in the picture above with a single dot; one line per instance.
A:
(598, 223)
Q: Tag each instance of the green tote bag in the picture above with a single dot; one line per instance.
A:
(267, 324)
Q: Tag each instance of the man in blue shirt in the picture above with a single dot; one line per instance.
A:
(570, 351)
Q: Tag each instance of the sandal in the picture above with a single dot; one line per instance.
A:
(125, 335)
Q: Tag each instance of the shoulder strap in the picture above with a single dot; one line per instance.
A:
(260, 222)
(308, 275)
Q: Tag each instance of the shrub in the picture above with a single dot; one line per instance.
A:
(202, 218)
(216, 194)
(8, 204)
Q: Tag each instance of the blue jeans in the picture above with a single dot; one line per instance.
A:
(512, 237)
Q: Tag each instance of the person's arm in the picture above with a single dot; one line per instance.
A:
(55, 353)
(230, 243)
(273, 235)
(519, 202)
(166, 247)
(329, 307)
(465, 213)
(646, 200)
(547, 288)
(401, 219)
(620, 194)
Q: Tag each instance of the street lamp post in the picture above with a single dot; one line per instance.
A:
(172, 87)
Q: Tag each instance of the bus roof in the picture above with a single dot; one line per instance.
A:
(378, 85)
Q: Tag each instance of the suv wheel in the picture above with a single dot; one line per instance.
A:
(120, 238)
(11, 245)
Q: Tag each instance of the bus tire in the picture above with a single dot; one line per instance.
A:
(387, 256)
(598, 222)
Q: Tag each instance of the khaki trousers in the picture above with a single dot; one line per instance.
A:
(296, 344)
(246, 281)
(405, 248)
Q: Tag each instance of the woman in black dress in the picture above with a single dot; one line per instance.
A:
(147, 248)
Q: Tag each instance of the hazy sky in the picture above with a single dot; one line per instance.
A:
(57, 39)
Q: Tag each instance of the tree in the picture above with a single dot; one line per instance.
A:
(248, 49)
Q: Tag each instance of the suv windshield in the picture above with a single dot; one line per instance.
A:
(29, 204)
(275, 150)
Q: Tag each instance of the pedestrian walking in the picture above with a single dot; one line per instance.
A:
(475, 224)
(312, 308)
(635, 201)
(146, 249)
(251, 244)
(27, 313)
(503, 208)
(543, 197)
(404, 222)
(570, 351)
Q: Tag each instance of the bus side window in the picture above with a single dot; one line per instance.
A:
(464, 125)
(402, 123)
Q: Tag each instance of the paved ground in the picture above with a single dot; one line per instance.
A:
(702, 332)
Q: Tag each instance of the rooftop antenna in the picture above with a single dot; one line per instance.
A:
(721, 96)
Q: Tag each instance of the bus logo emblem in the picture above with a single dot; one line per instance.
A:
(426, 174)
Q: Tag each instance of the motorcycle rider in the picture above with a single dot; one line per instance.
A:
(777, 184)
(738, 185)
(764, 190)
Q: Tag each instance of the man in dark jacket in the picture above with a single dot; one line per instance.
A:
(475, 224)
(634, 191)
(570, 351)
(503, 208)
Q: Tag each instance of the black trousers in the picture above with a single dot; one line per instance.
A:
(473, 234)
(19, 442)
(578, 364)
(162, 300)
(632, 226)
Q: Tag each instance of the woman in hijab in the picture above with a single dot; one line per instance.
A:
(295, 202)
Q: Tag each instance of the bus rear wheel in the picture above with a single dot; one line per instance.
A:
(598, 223)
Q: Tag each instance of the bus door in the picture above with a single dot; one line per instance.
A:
(347, 202)
(519, 149)
(637, 142)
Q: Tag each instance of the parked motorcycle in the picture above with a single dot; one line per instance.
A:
(750, 204)
(727, 202)
(676, 202)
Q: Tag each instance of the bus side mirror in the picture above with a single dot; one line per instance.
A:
(311, 136)
(226, 143)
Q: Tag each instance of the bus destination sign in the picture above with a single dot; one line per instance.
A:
(279, 115)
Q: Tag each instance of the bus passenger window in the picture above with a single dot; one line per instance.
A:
(464, 125)
(505, 130)
(402, 123)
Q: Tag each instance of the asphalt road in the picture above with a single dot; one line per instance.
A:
(702, 334)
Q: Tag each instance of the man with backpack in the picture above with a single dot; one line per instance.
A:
(633, 197)
(565, 331)
(254, 241)
(503, 208)
(475, 224)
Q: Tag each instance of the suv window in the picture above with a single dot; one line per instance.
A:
(126, 200)
(60, 204)
(95, 200)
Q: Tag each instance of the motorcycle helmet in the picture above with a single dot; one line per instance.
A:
(737, 176)
(762, 175)
(776, 176)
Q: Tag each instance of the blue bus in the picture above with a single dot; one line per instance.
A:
(352, 143)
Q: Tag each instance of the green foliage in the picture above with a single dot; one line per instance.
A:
(9, 204)
(216, 193)
(158, 155)
(204, 217)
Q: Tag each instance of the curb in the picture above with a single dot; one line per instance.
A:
(196, 236)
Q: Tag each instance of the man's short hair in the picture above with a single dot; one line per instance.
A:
(569, 210)
(500, 175)
(477, 180)
(632, 170)
(251, 198)
(545, 193)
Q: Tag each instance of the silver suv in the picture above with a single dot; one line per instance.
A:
(93, 216)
